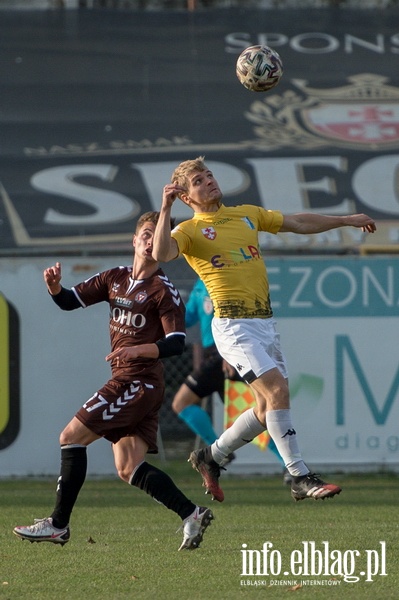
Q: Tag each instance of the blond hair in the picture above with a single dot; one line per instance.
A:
(182, 172)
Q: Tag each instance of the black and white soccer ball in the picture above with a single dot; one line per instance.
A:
(259, 68)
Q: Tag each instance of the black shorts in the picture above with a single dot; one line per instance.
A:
(209, 377)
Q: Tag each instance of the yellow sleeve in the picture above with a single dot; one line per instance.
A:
(270, 220)
(182, 237)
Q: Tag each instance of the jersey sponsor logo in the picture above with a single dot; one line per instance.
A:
(125, 302)
(223, 221)
(209, 233)
(127, 318)
(235, 256)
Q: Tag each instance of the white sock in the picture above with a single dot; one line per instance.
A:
(280, 428)
(244, 429)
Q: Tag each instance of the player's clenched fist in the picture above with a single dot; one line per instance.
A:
(52, 278)
(170, 193)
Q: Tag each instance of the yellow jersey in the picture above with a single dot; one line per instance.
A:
(223, 249)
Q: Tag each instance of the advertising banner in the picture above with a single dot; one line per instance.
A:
(337, 320)
(98, 107)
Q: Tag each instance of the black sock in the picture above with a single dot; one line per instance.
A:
(70, 481)
(160, 486)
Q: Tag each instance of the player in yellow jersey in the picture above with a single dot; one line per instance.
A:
(221, 245)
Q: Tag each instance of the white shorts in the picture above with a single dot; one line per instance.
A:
(252, 346)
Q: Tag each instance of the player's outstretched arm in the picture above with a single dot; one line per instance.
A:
(307, 223)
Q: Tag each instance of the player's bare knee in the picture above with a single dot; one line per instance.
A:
(124, 474)
(279, 398)
(176, 405)
(183, 399)
(260, 415)
(64, 438)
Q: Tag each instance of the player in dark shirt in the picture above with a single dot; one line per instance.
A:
(146, 324)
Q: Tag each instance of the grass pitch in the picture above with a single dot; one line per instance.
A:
(123, 544)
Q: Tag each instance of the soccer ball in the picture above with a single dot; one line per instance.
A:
(259, 68)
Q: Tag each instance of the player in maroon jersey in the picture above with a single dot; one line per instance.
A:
(146, 324)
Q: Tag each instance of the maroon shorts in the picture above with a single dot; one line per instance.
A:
(121, 409)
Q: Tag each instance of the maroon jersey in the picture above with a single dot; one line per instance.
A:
(141, 312)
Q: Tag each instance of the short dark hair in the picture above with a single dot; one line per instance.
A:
(152, 216)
